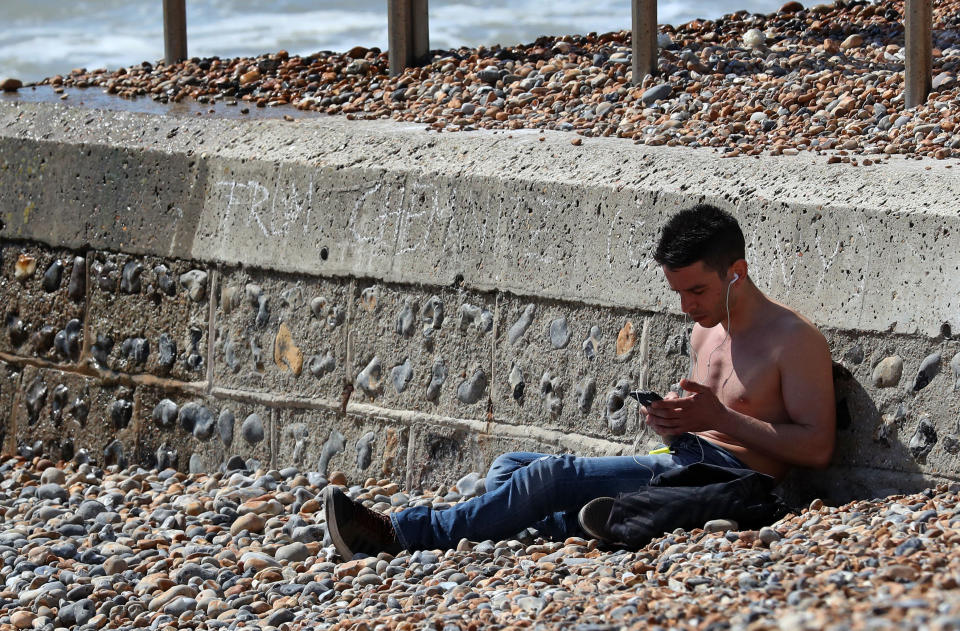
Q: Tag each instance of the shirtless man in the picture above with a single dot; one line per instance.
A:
(760, 395)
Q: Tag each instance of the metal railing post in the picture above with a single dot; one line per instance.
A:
(919, 51)
(644, 39)
(174, 31)
(408, 29)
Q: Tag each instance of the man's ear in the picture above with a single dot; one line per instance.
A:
(739, 268)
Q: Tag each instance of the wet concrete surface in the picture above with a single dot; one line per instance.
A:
(96, 98)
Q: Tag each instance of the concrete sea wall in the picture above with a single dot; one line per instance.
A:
(370, 298)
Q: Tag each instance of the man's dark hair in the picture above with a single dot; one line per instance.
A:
(702, 233)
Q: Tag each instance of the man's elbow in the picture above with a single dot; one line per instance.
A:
(821, 456)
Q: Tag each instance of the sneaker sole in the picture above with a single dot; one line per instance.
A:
(583, 521)
(338, 541)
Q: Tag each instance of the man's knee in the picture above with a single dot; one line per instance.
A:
(547, 474)
(501, 469)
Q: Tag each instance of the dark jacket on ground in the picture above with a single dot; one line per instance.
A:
(689, 497)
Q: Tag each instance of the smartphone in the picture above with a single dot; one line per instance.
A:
(645, 397)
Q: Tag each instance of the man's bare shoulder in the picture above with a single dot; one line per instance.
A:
(794, 332)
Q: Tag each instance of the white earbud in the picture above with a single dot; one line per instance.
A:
(736, 277)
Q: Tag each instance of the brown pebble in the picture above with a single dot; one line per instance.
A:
(10, 84)
(576, 142)
(338, 478)
(115, 565)
(250, 522)
(310, 506)
(22, 619)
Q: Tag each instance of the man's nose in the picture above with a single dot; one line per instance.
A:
(686, 305)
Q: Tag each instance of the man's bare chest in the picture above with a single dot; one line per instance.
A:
(744, 377)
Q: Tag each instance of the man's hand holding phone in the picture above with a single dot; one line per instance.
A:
(699, 411)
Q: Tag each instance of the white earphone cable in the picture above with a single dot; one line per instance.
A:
(693, 373)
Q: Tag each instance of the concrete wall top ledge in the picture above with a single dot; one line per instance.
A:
(863, 248)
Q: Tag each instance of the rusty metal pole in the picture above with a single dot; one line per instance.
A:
(919, 51)
(644, 39)
(408, 29)
(174, 30)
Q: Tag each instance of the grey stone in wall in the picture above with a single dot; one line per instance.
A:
(133, 314)
(618, 408)
(39, 317)
(317, 440)
(566, 399)
(415, 337)
(929, 368)
(203, 431)
(270, 338)
(54, 412)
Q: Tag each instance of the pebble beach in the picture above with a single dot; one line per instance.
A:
(825, 78)
(87, 548)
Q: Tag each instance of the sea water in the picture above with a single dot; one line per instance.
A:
(40, 38)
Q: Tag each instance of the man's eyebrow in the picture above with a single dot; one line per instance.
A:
(694, 288)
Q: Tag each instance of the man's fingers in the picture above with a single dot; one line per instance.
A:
(672, 404)
(693, 386)
(661, 413)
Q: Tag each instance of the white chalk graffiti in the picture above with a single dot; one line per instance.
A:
(289, 206)
(401, 220)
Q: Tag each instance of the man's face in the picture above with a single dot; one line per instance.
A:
(701, 290)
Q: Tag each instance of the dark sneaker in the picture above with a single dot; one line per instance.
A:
(593, 518)
(355, 529)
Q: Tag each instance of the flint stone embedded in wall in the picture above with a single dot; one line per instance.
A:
(617, 410)
(406, 319)
(551, 391)
(334, 444)
(77, 288)
(929, 368)
(923, 439)
(51, 277)
(955, 367)
(626, 340)
(252, 429)
(478, 318)
(365, 450)
(887, 373)
(130, 277)
(438, 375)
(522, 324)
(517, 383)
(321, 365)
(165, 413)
(225, 423)
(471, 390)
(369, 378)
(591, 345)
(559, 333)
(585, 391)
(401, 375)
(432, 316)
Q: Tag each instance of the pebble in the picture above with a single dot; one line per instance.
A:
(252, 429)
(888, 372)
(713, 75)
(929, 368)
(10, 84)
(470, 390)
(132, 548)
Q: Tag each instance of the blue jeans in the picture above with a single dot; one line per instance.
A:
(546, 492)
